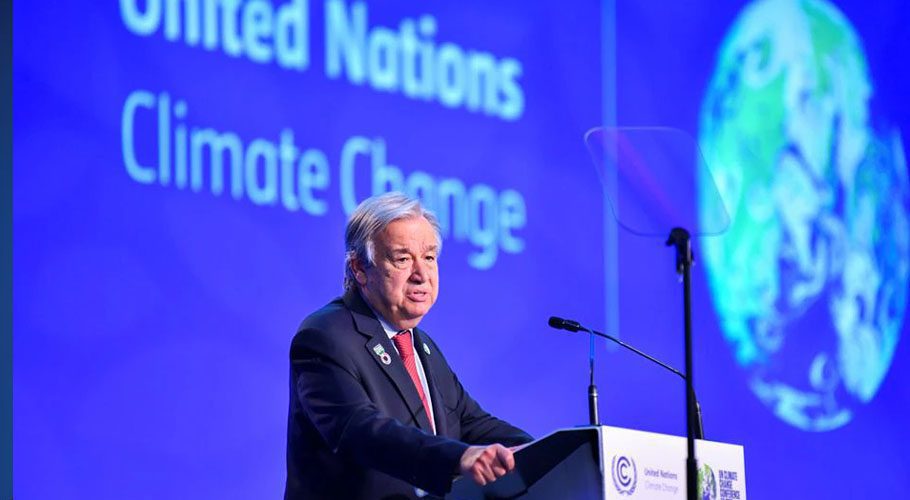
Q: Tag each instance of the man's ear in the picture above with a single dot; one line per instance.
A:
(360, 272)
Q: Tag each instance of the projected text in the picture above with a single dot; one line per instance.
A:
(279, 173)
(406, 60)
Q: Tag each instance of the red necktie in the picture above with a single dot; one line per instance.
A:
(406, 350)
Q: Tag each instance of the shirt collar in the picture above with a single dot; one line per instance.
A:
(391, 332)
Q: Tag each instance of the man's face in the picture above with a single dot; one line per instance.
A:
(403, 284)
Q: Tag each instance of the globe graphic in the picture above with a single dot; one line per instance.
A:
(707, 484)
(810, 279)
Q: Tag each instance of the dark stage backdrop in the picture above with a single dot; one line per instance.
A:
(183, 171)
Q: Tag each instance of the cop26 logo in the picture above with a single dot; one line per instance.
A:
(625, 474)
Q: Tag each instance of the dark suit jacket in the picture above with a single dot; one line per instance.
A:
(356, 426)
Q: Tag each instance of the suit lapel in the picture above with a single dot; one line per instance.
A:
(426, 356)
(382, 351)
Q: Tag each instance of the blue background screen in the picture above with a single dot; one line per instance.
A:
(183, 172)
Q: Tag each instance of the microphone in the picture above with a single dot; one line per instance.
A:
(574, 326)
(565, 324)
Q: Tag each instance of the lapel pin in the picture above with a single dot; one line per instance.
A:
(426, 348)
(383, 356)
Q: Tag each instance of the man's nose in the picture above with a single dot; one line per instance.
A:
(418, 271)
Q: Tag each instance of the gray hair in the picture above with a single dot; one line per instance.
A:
(369, 219)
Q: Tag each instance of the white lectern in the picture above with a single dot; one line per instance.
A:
(612, 463)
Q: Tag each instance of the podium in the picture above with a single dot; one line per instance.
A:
(600, 463)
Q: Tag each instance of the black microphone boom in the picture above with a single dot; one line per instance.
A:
(574, 326)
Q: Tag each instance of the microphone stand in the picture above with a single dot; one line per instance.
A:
(592, 402)
(679, 238)
(592, 389)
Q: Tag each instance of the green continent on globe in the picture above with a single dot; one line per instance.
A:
(810, 280)
(707, 483)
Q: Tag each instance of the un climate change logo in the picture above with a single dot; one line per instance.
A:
(625, 474)
(707, 483)
(810, 280)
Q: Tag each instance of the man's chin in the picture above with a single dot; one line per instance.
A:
(415, 314)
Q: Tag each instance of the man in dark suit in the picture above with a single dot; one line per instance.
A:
(376, 411)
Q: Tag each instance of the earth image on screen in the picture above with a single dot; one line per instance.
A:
(810, 279)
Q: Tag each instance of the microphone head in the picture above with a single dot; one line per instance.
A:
(565, 324)
(557, 323)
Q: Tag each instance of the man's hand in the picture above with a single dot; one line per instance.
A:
(485, 464)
